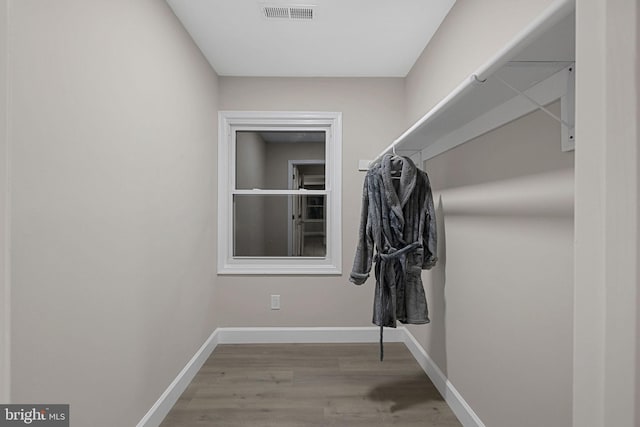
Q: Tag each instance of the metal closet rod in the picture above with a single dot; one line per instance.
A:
(553, 14)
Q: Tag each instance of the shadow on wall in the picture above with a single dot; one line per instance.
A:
(437, 338)
(548, 194)
(536, 197)
(505, 241)
(529, 146)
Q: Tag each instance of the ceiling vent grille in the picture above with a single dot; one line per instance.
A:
(274, 12)
(297, 13)
(304, 13)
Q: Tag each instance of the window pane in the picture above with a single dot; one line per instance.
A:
(263, 159)
(279, 226)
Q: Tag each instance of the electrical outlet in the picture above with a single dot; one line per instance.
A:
(275, 302)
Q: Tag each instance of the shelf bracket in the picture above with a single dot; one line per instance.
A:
(567, 107)
(568, 111)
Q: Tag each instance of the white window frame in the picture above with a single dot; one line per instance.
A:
(229, 122)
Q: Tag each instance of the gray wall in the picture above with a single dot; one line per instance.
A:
(373, 115)
(501, 297)
(251, 159)
(113, 136)
(278, 156)
(5, 309)
(470, 35)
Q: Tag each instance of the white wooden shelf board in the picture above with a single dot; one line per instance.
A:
(539, 63)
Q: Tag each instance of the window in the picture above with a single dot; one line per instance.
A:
(279, 181)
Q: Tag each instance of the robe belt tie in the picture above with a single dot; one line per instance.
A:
(382, 260)
(396, 253)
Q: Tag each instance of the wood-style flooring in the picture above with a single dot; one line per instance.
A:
(284, 385)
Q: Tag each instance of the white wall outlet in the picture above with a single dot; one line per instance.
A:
(275, 302)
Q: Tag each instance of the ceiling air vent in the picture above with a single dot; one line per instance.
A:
(297, 13)
(301, 13)
(276, 12)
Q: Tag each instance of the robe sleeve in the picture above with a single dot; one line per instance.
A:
(364, 251)
(430, 240)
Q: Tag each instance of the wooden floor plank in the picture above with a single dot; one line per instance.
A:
(310, 385)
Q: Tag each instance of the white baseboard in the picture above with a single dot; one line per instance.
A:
(163, 405)
(458, 405)
(308, 335)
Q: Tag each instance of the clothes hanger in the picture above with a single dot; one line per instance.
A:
(396, 174)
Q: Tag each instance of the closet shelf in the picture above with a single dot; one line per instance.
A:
(536, 68)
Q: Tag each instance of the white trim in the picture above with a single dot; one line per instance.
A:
(279, 335)
(331, 123)
(550, 16)
(454, 399)
(568, 112)
(368, 334)
(170, 396)
(282, 192)
(468, 93)
(305, 265)
(548, 90)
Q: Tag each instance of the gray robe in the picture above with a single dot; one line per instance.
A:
(398, 220)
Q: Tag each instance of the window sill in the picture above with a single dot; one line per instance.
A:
(303, 266)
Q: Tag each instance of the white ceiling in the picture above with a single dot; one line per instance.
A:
(346, 38)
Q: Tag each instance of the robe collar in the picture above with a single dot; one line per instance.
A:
(408, 176)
